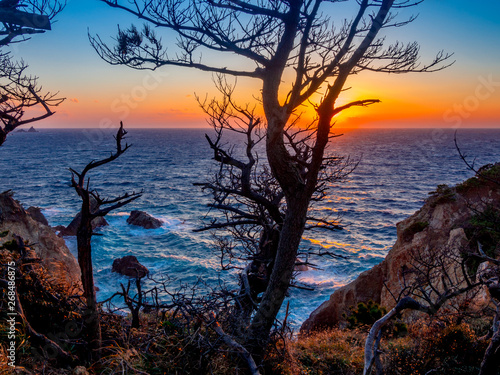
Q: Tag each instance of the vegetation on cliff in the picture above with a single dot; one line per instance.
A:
(185, 337)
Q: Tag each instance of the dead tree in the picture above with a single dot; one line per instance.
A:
(249, 203)
(490, 216)
(145, 299)
(433, 278)
(299, 58)
(134, 305)
(84, 232)
(20, 92)
(20, 19)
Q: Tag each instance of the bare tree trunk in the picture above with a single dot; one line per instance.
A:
(84, 233)
(491, 360)
(136, 322)
(84, 238)
(374, 336)
(291, 234)
(134, 306)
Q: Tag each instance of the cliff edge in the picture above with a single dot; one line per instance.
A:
(54, 255)
(443, 221)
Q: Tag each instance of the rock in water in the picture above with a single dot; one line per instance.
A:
(71, 229)
(60, 264)
(300, 266)
(143, 219)
(36, 213)
(32, 130)
(129, 266)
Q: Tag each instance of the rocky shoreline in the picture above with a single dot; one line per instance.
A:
(54, 255)
(444, 221)
(50, 249)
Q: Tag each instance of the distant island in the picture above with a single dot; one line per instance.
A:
(30, 130)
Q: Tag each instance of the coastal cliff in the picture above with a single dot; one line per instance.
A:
(445, 221)
(60, 264)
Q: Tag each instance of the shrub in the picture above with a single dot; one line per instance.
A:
(364, 314)
(443, 194)
(48, 308)
(413, 229)
(443, 347)
(487, 173)
(486, 229)
(468, 184)
(490, 171)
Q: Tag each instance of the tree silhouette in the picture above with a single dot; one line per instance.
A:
(19, 91)
(431, 279)
(300, 59)
(84, 232)
(22, 18)
(249, 201)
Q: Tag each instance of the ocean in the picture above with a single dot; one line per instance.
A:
(397, 169)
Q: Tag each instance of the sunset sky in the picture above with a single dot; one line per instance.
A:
(465, 95)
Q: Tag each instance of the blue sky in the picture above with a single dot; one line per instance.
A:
(65, 62)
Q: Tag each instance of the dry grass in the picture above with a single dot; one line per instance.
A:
(164, 345)
(438, 346)
(332, 351)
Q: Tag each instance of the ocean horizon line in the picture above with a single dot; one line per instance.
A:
(209, 128)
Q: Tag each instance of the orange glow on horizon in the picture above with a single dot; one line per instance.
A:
(405, 102)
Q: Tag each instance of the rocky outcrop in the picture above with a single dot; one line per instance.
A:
(300, 266)
(129, 266)
(71, 229)
(36, 213)
(442, 223)
(60, 264)
(143, 219)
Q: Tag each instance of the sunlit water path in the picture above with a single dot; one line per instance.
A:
(396, 171)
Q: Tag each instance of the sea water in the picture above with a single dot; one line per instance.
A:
(396, 171)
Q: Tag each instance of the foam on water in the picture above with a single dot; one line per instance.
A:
(396, 171)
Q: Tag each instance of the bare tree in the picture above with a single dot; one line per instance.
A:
(300, 58)
(491, 218)
(20, 92)
(432, 279)
(251, 201)
(21, 18)
(84, 232)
